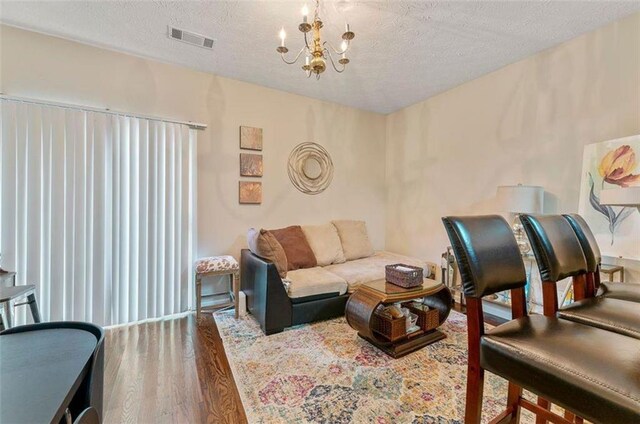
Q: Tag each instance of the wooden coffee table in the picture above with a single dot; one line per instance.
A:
(366, 298)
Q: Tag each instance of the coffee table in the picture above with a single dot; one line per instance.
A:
(365, 299)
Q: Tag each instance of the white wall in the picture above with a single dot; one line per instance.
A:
(44, 67)
(525, 123)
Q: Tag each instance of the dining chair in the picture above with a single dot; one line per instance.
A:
(558, 360)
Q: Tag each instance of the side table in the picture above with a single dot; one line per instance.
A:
(362, 304)
(213, 266)
(610, 270)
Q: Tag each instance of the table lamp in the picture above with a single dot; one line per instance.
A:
(517, 199)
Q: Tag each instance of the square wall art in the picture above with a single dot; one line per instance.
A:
(250, 165)
(605, 165)
(251, 138)
(250, 193)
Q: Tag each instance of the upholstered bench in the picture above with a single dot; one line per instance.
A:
(217, 265)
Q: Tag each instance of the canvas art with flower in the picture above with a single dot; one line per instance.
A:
(611, 164)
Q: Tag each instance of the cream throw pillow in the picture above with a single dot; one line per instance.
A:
(354, 238)
(325, 243)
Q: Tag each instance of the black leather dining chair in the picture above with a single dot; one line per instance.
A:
(90, 392)
(556, 359)
(559, 255)
(591, 250)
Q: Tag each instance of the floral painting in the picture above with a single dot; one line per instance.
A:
(611, 164)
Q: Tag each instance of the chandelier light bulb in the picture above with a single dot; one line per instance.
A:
(344, 46)
(305, 12)
(283, 35)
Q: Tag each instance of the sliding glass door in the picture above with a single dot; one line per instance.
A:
(97, 210)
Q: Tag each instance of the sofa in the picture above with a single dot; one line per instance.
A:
(302, 274)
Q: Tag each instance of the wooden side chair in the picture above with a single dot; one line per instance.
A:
(558, 360)
(9, 296)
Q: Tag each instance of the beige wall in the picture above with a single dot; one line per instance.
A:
(43, 67)
(525, 123)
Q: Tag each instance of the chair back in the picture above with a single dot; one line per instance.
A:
(90, 393)
(487, 253)
(587, 240)
(555, 245)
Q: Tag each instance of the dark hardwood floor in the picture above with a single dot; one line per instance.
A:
(169, 371)
(173, 371)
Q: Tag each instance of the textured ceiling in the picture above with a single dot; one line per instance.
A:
(404, 51)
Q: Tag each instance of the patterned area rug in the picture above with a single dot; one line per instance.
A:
(325, 373)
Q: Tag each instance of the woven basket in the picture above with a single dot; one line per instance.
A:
(406, 279)
(390, 328)
(427, 320)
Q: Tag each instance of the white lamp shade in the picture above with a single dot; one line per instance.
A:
(628, 196)
(520, 198)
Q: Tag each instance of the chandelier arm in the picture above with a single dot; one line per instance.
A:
(338, 51)
(306, 42)
(334, 64)
(294, 60)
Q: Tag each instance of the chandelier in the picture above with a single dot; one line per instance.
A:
(316, 52)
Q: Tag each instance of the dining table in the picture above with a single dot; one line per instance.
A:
(40, 373)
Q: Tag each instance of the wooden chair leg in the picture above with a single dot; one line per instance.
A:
(198, 297)
(544, 404)
(33, 305)
(475, 389)
(513, 402)
(475, 373)
(580, 290)
(549, 298)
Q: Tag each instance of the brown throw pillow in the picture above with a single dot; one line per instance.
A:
(262, 243)
(296, 247)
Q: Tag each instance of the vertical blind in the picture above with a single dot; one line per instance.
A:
(97, 210)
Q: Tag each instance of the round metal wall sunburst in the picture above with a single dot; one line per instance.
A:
(310, 168)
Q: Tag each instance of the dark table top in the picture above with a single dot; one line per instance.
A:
(40, 371)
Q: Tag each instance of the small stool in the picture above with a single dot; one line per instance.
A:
(8, 296)
(217, 265)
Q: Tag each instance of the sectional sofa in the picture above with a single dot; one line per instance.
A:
(302, 274)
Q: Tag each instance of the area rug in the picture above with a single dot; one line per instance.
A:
(324, 373)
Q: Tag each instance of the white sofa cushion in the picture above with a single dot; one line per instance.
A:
(313, 281)
(325, 243)
(372, 268)
(354, 238)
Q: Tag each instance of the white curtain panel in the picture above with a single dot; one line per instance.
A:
(97, 210)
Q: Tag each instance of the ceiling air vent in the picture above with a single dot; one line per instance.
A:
(190, 38)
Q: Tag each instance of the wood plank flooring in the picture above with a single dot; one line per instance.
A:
(173, 371)
(169, 371)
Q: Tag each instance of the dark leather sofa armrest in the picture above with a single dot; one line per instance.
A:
(267, 298)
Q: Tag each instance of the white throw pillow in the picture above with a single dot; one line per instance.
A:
(325, 243)
(354, 238)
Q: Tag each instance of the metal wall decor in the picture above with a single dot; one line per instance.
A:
(310, 168)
